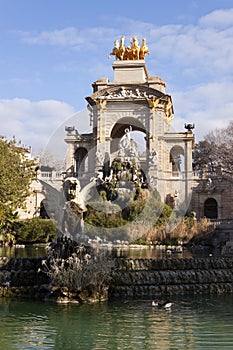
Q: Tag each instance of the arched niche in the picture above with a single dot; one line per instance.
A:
(43, 211)
(177, 160)
(211, 208)
(118, 131)
(81, 160)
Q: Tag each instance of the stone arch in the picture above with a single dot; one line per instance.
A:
(81, 160)
(211, 208)
(177, 159)
(118, 130)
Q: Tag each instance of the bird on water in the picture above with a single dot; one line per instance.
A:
(162, 305)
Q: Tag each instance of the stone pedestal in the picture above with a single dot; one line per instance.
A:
(130, 72)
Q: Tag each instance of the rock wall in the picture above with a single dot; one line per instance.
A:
(131, 278)
(23, 277)
(135, 278)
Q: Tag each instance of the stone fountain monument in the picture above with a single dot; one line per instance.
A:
(133, 101)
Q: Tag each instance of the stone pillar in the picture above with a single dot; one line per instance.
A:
(188, 169)
(70, 166)
(152, 144)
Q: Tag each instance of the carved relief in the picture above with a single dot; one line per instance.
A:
(153, 157)
(153, 102)
(169, 112)
(123, 93)
(101, 104)
(99, 158)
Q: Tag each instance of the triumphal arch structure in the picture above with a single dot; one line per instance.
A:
(133, 101)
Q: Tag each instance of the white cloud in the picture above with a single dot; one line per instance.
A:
(64, 37)
(218, 19)
(205, 50)
(32, 122)
(209, 106)
(68, 37)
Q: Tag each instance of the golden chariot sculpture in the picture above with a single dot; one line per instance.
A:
(133, 52)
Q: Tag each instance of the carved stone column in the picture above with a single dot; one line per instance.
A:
(152, 154)
(100, 126)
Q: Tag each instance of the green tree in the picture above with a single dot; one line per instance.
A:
(16, 174)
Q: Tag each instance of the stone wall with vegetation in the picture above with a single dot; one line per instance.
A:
(131, 278)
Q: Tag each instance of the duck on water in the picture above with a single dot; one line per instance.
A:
(162, 305)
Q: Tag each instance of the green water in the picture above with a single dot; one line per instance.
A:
(192, 323)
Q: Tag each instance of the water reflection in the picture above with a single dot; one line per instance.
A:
(28, 251)
(147, 252)
(124, 251)
(193, 323)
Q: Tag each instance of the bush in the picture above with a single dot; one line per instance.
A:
(133, 209)
(84, 275)
(34, 230)
(104, 214)
(140, 241)
(184, 229)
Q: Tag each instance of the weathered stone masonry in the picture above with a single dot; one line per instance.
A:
(150, 277)
(132, 278)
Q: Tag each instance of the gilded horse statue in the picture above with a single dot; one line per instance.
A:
(122, 48)
(119, 50)
(115, 50)
(143, 50)
(133, 52)
(135, 48)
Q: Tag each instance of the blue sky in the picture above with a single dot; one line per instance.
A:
(53, 50)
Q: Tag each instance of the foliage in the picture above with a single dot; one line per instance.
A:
(104, 214)
(116, 165)
(111, 234)
(16, 174)
(133, 209)
(185, 229)
(214, 153)
(103, 218)
(48, 159)
(85, 272)
(203, 156)
(155, 212)
(34, 230)
(140, 241)
(107, 191)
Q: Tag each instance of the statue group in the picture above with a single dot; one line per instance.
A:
(133, 52)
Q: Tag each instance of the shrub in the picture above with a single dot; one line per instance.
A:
(184, 229)
(140, 240)
(104, 214)
(84, 275)
(34, 230)
(133, 209)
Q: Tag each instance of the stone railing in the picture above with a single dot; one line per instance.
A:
(131, 278)
(51, 176)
